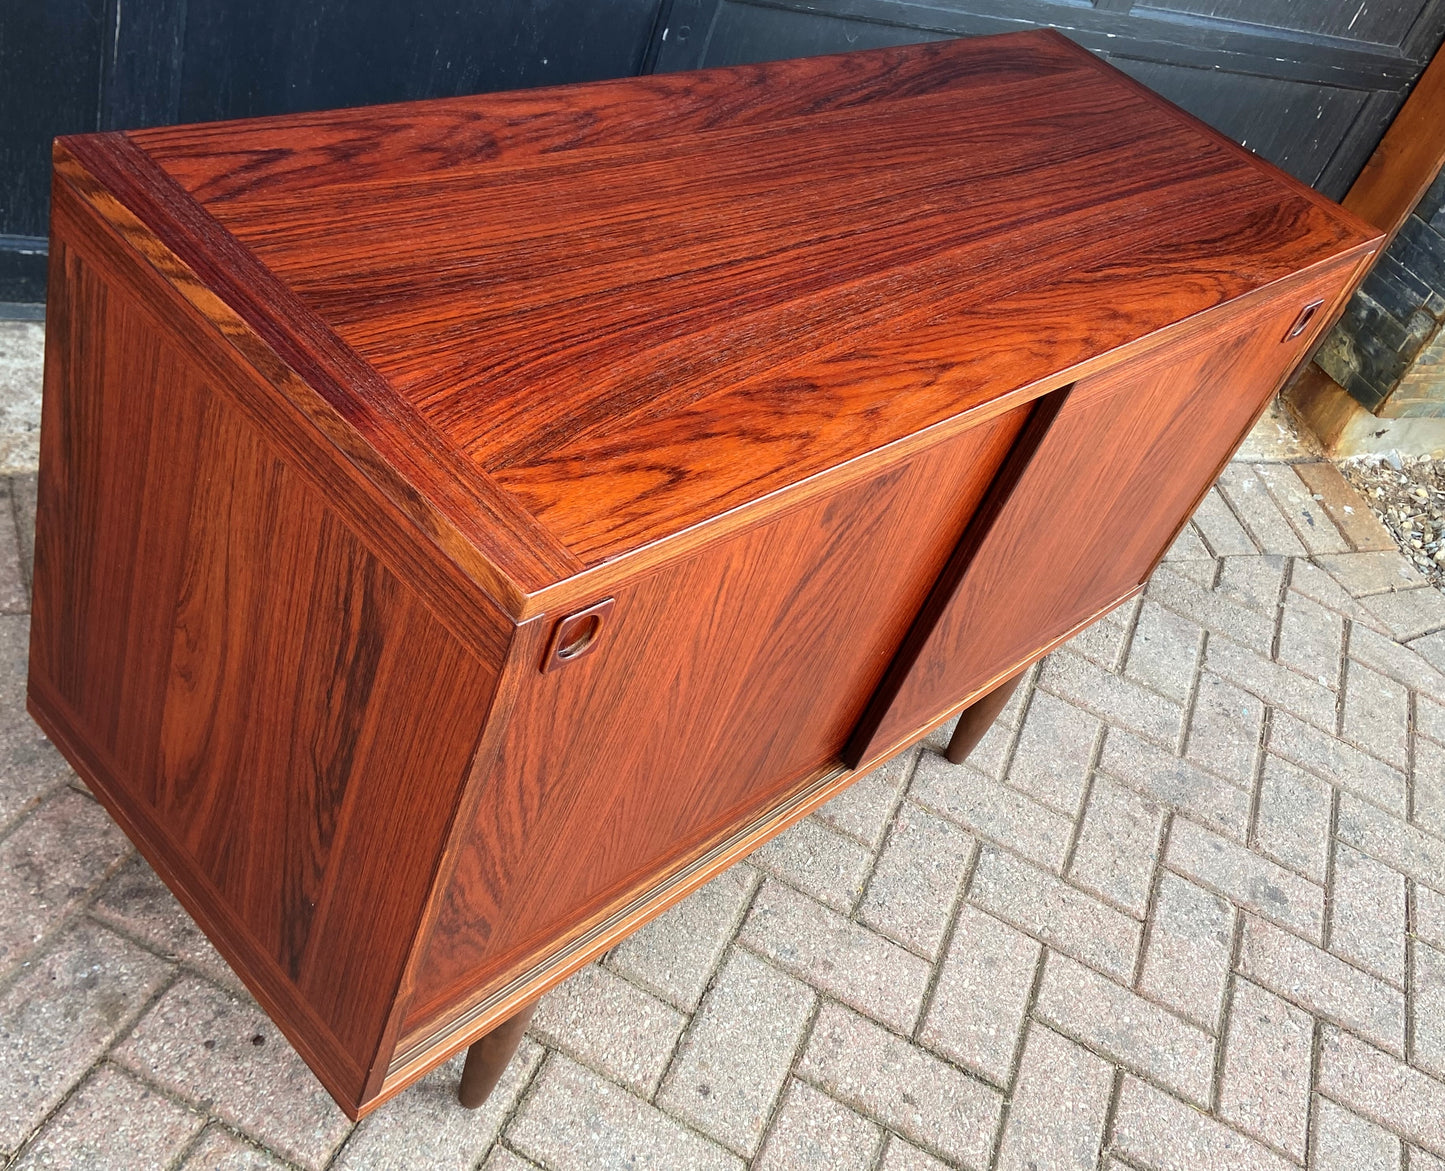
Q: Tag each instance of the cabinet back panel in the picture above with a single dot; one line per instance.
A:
(715, 685)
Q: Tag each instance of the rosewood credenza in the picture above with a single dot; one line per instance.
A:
(466, 526)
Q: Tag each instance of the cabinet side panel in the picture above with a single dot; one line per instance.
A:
(1123, 464)
(270, 711)
(717, 683)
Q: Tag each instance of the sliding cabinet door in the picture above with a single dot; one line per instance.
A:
(1101, 479)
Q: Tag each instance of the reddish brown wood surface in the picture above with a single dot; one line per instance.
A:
(279, 720)
(461, 510)
(345, 412)
(1091, 506)
(332, 146)
(687, 718)
(266, 391)
(595, 299)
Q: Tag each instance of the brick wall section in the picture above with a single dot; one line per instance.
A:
(1388, 350)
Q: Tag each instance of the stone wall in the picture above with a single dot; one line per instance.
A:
(1388, 350)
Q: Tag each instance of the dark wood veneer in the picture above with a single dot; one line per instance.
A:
(834, 391)
(693, 718)
(1162, 427)
(253, 687)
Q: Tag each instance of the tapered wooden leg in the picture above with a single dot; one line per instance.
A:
(977, 718)
(488, 1057)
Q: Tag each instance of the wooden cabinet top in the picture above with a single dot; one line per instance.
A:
(560, 326)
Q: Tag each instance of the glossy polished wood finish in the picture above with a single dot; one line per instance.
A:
(466, 526)
(694, 718)
(664, 278)
(1114, 463)
(251, 690)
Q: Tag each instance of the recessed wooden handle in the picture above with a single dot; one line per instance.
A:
(576, 635)
(1301, 323)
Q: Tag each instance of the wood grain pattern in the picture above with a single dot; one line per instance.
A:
(1060, 541)
(346, 413)
(458, 507)
(516, 669)
(200, 327)
(472, 1016)
(690, 718)
(612, 395)
(661, 466)
(242, 669)
(295, 153)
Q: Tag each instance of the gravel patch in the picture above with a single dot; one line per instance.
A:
(1408, 495)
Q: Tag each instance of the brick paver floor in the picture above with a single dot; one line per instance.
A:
(1184, 908)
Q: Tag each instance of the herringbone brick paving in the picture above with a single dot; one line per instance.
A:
(1183, 908)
